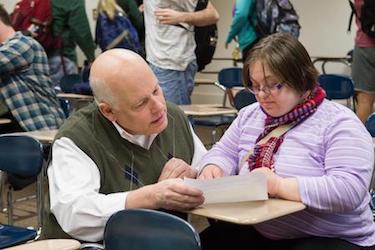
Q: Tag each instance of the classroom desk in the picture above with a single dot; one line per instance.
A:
(76, 101)
(202, 81)
(248, 213)
(5, 121)
(55, 244)
(75, 97)
(207, 110)
(44, 136)
(326, 59)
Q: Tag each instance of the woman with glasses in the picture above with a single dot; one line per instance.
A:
(311, 150)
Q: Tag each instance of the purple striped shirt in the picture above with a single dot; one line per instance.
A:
(332, 156)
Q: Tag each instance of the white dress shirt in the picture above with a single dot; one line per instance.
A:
(74, 182)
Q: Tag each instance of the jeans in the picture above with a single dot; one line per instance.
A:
(57, 71)
(177, 85)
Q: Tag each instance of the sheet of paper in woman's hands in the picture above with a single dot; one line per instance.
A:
(235, 188)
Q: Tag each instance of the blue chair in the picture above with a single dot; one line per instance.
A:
(338, 87)
(243, 98)
(65, 106)
(370, 124)
(134, 229)
(12, 235)
(228, 78)
(67, 82)
(21, 159)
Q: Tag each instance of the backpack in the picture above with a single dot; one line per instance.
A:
(275, 16)
(205, 39)
(367, 18)
(117, 33)
(34, 18)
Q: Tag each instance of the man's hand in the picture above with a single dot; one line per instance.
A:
(173, 194)
(211, 172)
(169, 16)
(177, 168)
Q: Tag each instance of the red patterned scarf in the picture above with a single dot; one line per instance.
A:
(263, 154)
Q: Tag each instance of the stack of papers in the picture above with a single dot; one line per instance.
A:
(251, 187)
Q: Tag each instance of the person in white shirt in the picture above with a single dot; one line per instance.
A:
(170, 44)
(128, 149)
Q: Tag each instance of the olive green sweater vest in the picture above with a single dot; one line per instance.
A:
(117, 159)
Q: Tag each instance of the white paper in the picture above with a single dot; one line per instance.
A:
(235, 188)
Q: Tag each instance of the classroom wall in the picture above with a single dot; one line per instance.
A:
(323, 33)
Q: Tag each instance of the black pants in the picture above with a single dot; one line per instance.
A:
(221, 235)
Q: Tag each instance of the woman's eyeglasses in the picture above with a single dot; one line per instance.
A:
(267, 89)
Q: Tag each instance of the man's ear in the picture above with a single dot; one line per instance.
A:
(106, 110)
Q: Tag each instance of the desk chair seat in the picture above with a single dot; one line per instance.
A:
(214, 122)
(11, 235)
(134, 229)
(22, 158)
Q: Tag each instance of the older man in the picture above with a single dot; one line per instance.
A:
(129, 149)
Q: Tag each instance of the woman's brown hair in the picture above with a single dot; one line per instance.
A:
(286, 58)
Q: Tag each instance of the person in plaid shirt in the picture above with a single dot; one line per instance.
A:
(26, 93)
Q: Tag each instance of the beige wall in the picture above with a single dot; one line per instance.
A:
(323, 33)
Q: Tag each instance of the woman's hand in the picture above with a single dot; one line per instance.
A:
(284, 188)
(273, 181)
(211, 172)
(177, 168)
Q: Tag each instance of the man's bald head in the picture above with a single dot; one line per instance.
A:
(114, 69)
(127, 92)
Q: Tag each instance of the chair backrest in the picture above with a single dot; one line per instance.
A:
(68, 81)
(243, 98)
(12, 235)
(21, 155)
(133, 229)
(370, 124)
(337, 86)
(228, 78)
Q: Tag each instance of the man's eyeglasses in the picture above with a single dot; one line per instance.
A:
(267, 89)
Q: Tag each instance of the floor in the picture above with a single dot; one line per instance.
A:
(24, 211)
